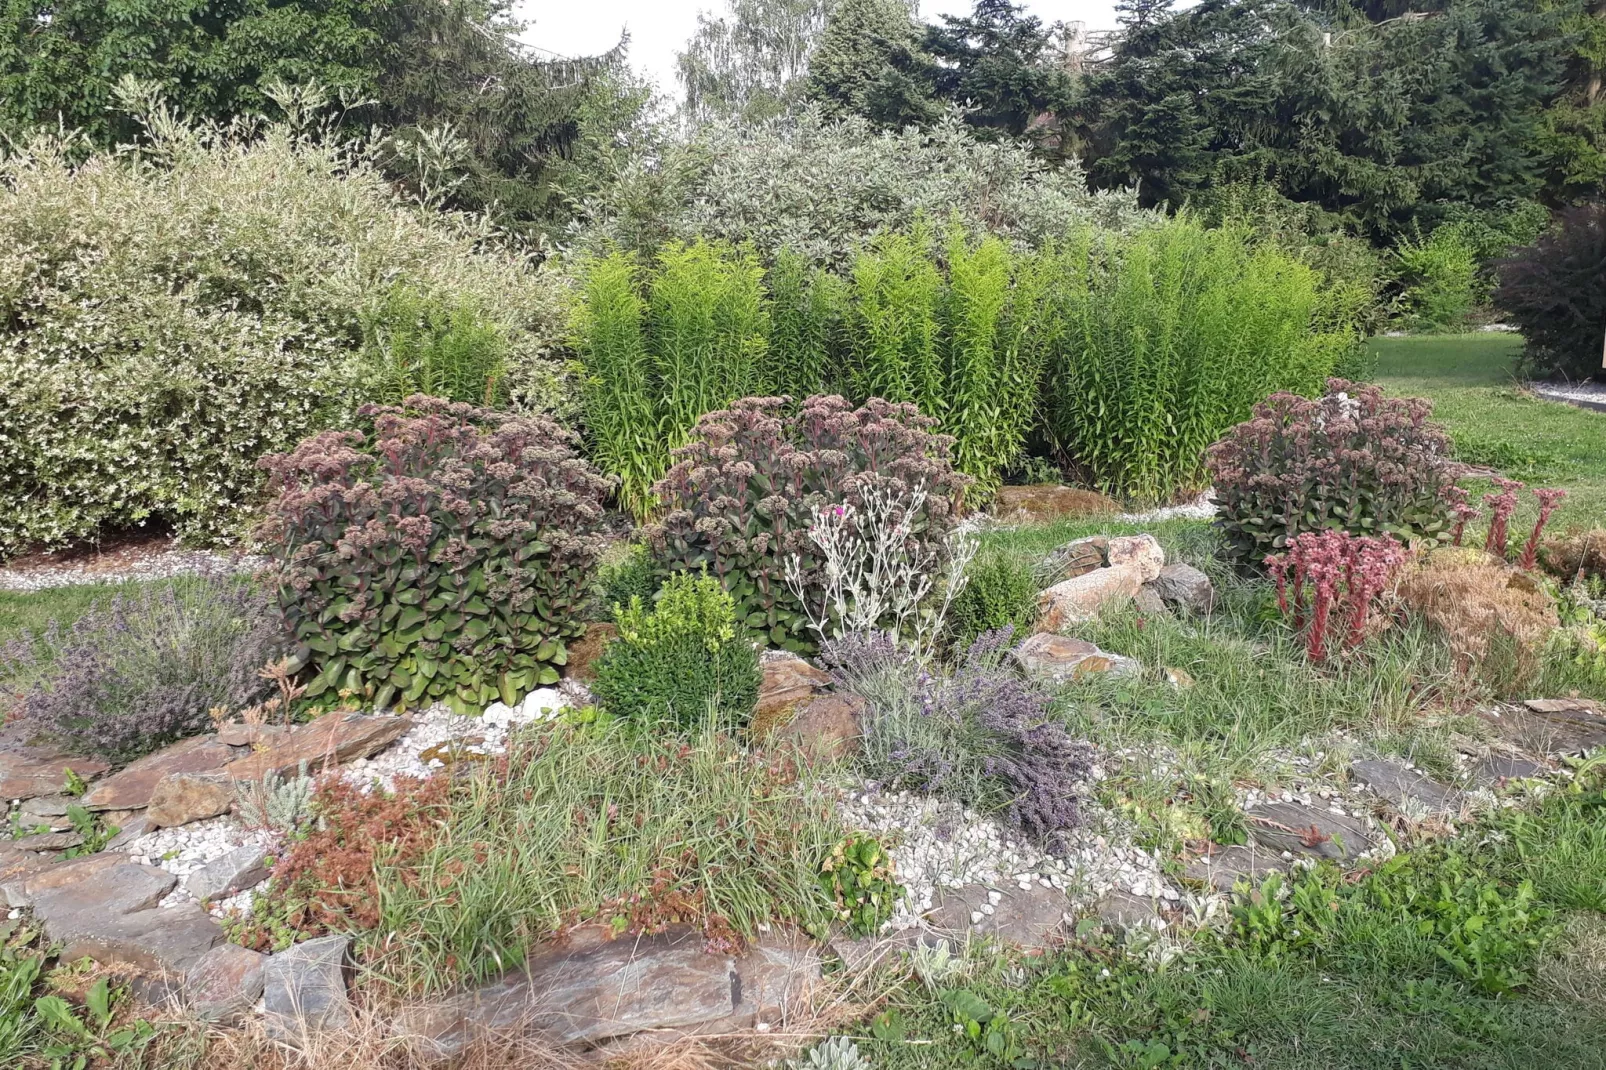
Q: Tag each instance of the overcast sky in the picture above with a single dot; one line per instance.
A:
(659, 28)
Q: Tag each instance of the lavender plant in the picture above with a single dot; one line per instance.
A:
(140, 671)
(984, 737)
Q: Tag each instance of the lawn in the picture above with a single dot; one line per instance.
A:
(1472, 382)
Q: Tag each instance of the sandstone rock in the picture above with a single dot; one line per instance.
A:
(787, 681)
(1049, 501)
(596, 991)
(1059, 659)
(584, 651)
(304, 990)
(240, 869)
(31, 771)
(1310, 831)
(15, 867)
(1122, 910)
(1027, 919)
(1148, 601)
(180, 798)
(20, 889)
(225, 983)
(1402, 787)
(1076, 558)
(334, 737)
(1181, 679)
(1223, 869)
(1141, 552)
(131, 788)
(827, 726)
(1185, 586)
(1078, 600)
(163, 940)
(48, 841)
(249, 735)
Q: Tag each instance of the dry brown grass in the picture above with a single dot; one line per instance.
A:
(1496, 618)
(1575, 555)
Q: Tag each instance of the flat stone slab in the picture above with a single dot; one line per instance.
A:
(1223, 869)
(1309, 831)
(225, 983)
(48, 841)
(1492, 770)
(1557, 728)
(1123, 910)
(304, 990)
(586, 995)
(1059, 659)
(1404, 788)
(20, 888)
(240, 869)
(131, 788)
(163, 940)
(333, 738)
(1027, 919)
(31, 771)
(96, 893)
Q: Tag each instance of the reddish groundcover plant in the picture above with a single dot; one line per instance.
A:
(1327, 582)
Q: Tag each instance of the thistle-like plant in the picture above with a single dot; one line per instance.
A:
(935, 964)
(274, 802)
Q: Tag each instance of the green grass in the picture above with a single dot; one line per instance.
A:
(1472, 382)
(32, 611)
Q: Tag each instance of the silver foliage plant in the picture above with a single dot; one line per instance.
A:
(275, 802)
(823, 186)
(833, 1053)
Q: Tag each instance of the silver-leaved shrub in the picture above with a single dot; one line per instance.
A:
(172, 314)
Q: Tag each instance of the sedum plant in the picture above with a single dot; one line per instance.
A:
(1352, 460)
(443, 560)
(680, 659)
(743, 493)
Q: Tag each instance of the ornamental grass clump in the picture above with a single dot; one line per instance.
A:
(1352, 460)
(142, 670)
(679, 659)
(743, 495)
(444, 559)
(1328, 582)
(984, 737)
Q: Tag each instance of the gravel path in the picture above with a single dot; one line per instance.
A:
(122, 567)
(1589, 395)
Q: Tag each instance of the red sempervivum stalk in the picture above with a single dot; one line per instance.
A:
(1501, 506)
(1343, 574)
(1549, 499)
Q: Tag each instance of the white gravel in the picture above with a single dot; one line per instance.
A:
(158, 566)
(936, 845)
(183, 850)
(1201, 508)
(1592, 392)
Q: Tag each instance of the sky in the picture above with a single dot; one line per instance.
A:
(660, 28)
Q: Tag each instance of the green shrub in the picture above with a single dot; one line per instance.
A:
(1352, 460)
(680, 659)
(416, 345)
(173, 315)
(626, 579)
(1001, 590)
(741, 498)
(653, 367)
(1555, 291)
(445, 561)
(807, 308)
(1168, 338)
(1440, 275)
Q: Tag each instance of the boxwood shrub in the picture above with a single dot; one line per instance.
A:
(445, 559)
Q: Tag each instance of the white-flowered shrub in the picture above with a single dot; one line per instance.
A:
(171, 316)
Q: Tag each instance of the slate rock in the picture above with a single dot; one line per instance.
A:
(240, 869)
(1310, 831)
(1185, 586)
(1394, 783)
(21, 889)
(1148, 601)
(180, 798)
(1059, 659)
(1557, 728)
(334, 737)
(1082, 599)
(304, 989)
(104, 892)
(787, 681)
(1042, 502)
(162, 940)
(42, 808)
(1142, 552)
(596, 990)
(826, 726)
(28, 772)
(1076, 558)
(1028, 919)
(225, 983)
(249, 735)
(48, 841)
(1492, 770)
(1224, 868)
(131, 788)
(1122, 910)
(129, 830)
